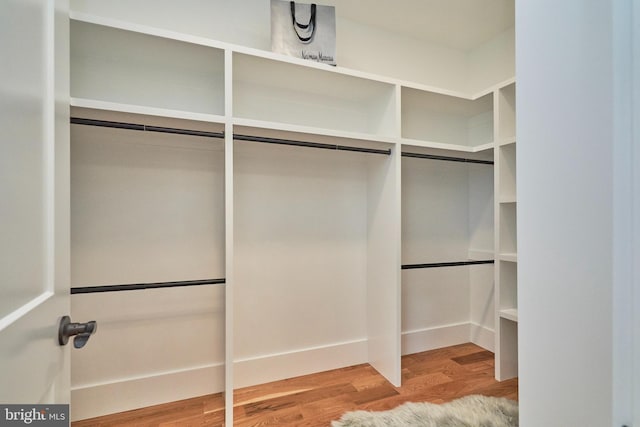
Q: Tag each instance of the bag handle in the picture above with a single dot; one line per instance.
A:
(311, 24)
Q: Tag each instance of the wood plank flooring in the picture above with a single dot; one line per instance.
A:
(314, 400)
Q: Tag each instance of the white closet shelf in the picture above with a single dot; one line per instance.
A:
(509, 256)
(480, 254)
(284, 127)
(367, 108)
(144, 110)
(508, 199)
(507, 141)
(509, 314)
(188, 38)
(408, 142)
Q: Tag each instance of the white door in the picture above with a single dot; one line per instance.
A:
(34, 200)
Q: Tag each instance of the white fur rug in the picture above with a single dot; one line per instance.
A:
(469, 411)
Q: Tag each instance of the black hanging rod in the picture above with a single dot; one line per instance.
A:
(445, 264)
(139, 127)
(446, 158)
(142, 286)
(252, 138)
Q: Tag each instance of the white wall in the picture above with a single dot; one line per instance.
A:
(492, 62)
(383, 52)
(565, 170)
(243, 22)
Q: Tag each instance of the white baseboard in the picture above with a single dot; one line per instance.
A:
(274, 367)
(482, 336)
(94, 400)
(426, 339)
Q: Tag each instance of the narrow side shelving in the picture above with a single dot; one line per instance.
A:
(506, 266)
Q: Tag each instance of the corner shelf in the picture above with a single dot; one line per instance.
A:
(440, 119)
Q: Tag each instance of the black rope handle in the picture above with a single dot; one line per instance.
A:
(311, 24)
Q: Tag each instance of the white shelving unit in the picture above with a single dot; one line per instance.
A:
(336, 216)
(506, 264)
(134, 68)
(441, 121)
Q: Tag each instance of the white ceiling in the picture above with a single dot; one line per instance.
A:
(458, 24)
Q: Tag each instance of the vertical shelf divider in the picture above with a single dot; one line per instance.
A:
(229, 239)
(383, 266)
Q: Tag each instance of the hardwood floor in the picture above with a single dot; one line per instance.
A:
(314, 400)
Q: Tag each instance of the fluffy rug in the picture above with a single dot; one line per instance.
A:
(469, 411)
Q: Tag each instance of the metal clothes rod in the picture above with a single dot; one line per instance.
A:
(239, 137)
(446, 158)
(252, 138)
(446, 264)
(142, 286)
(139, 127)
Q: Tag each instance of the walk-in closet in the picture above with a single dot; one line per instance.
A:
(240, 217)
(267, 212)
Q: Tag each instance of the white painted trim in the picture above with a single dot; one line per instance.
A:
(99, 399)
(482, 336)
(426, 339)
(273, 367)
(25, 309)
(635, 211)
(622, 214)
